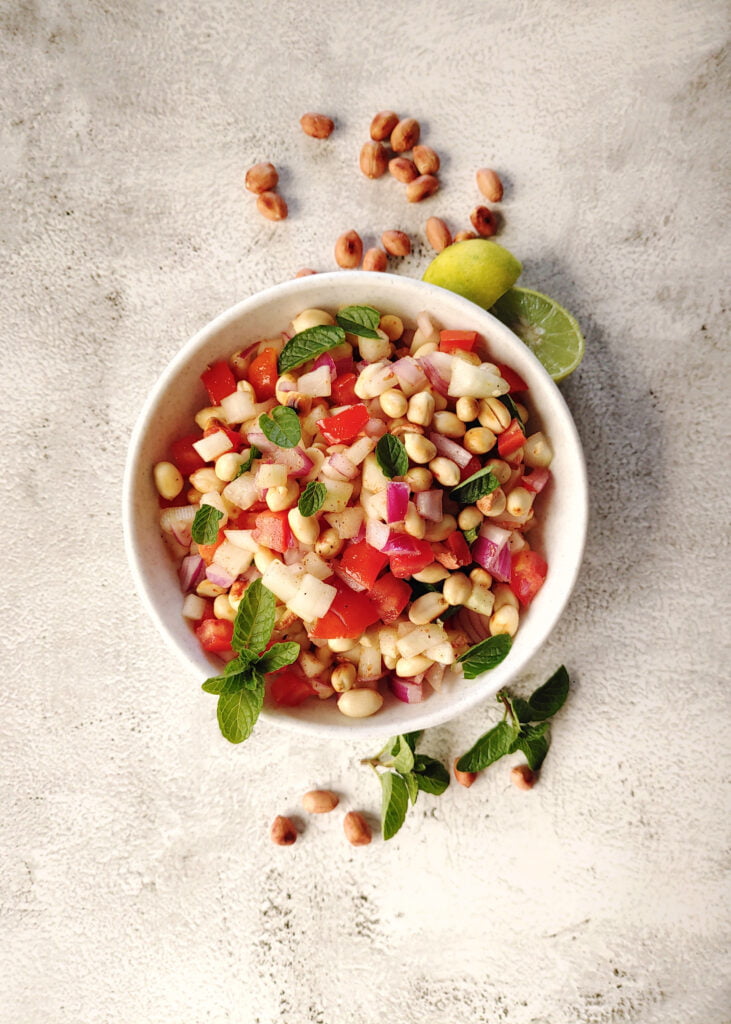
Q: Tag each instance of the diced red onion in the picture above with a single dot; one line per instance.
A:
(178, 520)
(492, 558)
(399, 544)
(537, 479)
(438, 368)
(409, 372)
(346, 577)
(476, 626)
(219, 576)
(496, 534)
(375, 427)
(377, 534)
(429, 505)
(296, 460)
(435, 675)
(342, 465)
(344, 365)
(407, 690)
(360, 535)
(397, 501)
(292, 555)
(192, 571)
(317, 383)
(450, 449)
(326, 360)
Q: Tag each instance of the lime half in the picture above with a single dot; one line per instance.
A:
(549, 331)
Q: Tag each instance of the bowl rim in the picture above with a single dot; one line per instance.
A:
(422, 717)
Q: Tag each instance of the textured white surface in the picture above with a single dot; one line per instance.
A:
(138, 883)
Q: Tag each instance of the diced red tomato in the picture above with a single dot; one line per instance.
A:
(215, 634)
(515, 381)
(272, 530)
(451, 340)
(288, 688)
(454, 552)
(510, 440)
(343, 389)
(244, 520)
(345, 425)
(218, 381)
(390, 596)
(419, 555)
(348, 616)
(234, 436)
(207, 551)
(263, 374)
(472, 467)
(208, 612)
(360, 565)
(184, 455)
(527, 573)
(537, 479)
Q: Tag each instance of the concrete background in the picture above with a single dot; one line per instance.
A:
(137, 880)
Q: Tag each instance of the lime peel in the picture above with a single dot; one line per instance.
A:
(550, 331)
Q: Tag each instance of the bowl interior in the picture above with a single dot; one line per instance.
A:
(179, 394)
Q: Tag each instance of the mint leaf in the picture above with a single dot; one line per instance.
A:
(512, 409)
(547, 699)
(278, 656)
(391, 456)
(490, 747)
(282, 426)
(403, 756)
(412, 738)
(254, 453)
(534, 741)
(485, 655)
(431, 775)
(205, 524)
(522, 709)
(395, 800)
(474, 487)
(308, 345)
(254, 621)
(238, 712)
(360, 320)
(411, 785)
(312, 498)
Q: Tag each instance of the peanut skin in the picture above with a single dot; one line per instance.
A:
(463, 778)
(283, 832)
(320, 801)
(523, 777)
(356, 828)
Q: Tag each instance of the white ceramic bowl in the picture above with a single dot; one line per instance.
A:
(178, 394)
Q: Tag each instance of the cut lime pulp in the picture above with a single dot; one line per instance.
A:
(549, 331)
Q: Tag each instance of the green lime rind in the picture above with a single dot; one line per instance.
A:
(477, 268)
(550, 331)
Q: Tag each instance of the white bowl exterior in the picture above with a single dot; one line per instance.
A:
(179, 394)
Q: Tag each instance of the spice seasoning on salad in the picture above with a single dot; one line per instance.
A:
(380, 482)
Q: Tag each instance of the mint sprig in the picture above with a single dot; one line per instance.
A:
(486, 655)
(359, 320)
(312, 498)
(245, 466)
(518, 729)
(240, 687)
(402, 774)
(309, 344)
(391, 456)
(282, 426)
(205, 524)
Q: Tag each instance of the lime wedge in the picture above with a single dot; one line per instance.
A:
(549, 331)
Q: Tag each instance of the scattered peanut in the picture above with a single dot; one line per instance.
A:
(320, 801)
(463, 236)
(261, 178)
(348, 250)
(426, 159)
(489, 184)
(318, 126)
(421, 188)
(356, 828)
(523, 777)
(283, 832)
(405, 135)
(375, 259)
(397, 243)
(403, 169)
(271, 205)
(438, 234)
(305, 272)
(484, 221)
(373, 159)
(463, 778)
(383, 124)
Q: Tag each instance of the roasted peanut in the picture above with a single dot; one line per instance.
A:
(463, 236)
(405, 135)
(397, 243)
(356, 828)
(463, 778)
(403, 169)
(375, 259)
(373, 159)
(271, 205)
(261, 178)
(305, 272)
(426, 159)
(484, 221)
(421, 188)
(489, 184)
(320, 801)
(383, 124)
(283, 832)
(523, 777)
(348, 250)
(318, 126)
(438, 234)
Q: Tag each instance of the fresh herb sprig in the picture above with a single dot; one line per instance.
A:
(282, 426)
(309, 344)
(402, 773)
(240, 687)
(312, 498)
(248, 462)
(524, 726)
(391, 456)
(205, 524)
(359, 320)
